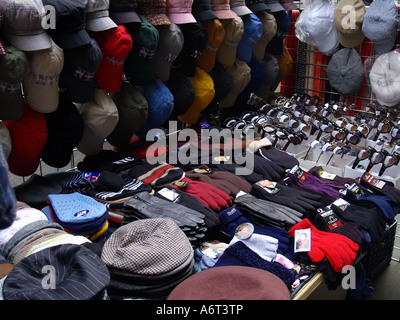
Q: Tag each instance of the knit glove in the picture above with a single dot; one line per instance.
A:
(381, 187)
(303, 202)
(338, 249)
(266, 212)
(223, 180)
(209, 195)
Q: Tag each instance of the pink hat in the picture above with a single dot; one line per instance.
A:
(222, 9)
(180, 11)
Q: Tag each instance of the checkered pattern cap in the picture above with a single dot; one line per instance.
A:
(147, 247)
(154, 11)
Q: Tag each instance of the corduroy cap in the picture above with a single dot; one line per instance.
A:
(147, 247)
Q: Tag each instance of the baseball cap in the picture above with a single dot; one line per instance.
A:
(180, 11)
(222, 9)
(215, 35)
(274, 5)
(70, 29)
(256, 5)
(345, 71)
(234, 30)
(195, 36)
(240, 73)
(253, 29)
(80, 66)
(124, 11)
(160, 105)
(271, 66)
(97, 15)
(41, 83)
(316, 26)
(385, 78)
(13, 67)
(380, 24)
(348, 35)
(115, 45)
(139, 64)
(100, 116)
(239, 7)
(23, 24)
(132, 110)
(2, 48)
(276, 45)
(269, 30)
(64, 132)
(204, 92)
(288, 5)
(28, 136)
(201, 10)
(169, 47)
(154, 11)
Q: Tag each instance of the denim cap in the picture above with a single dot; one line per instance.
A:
(253, 29)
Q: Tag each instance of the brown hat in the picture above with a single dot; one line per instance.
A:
(231, 283)
(154, 11)
(349, 32)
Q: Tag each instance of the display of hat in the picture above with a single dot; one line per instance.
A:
(345, 71)
(13, 68)
(79, 274)
(124, 11)
(161, 103)
(80, 66)
(100, 118)
(64, 131)
(154, 11)
(384, 78)
(253, 29)
(269, 30)
(132, 110)
(380, 24)
(234, 30)
(222, 9)
(180, 11)
(316, 26)
(22, 25)
(97, 16)
(350, 32)
(115, 45)
(240, 73)
(204, 93)
(201, 10)
(239, 7)
(28, 136)
(2, 48)
(215, 35)
(195, 40)
(222, 82)
(70, 24)
(41, 83)
(227, 283)
(139, 64)
(257, 77)
(256, 5)
(274, 5)
(169, 47)
(276, 45)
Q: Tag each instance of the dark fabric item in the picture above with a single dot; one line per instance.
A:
(387, 190)
(268, 169)
(281, 158)
(8, 205)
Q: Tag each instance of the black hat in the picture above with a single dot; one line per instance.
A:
(124, 11)
(201, 10)
(64, 132)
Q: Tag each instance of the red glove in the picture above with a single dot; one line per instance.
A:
(209, 195)
(338, 249)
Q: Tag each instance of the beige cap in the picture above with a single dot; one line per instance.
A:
(269, 30)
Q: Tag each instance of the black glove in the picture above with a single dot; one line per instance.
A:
(381, 187)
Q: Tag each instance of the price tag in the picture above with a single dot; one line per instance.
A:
(373, 181)
(331, 219)
(169, 194)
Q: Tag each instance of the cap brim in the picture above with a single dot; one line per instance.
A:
(384, 46)
(241, 10)
(274, 7)
(204, 15)
(351, 40)
(100, 24)
(71, 40)
(328, 43)
(181, 18)
(35, 42)
(258, 7)
(125, 17)
(225, 14)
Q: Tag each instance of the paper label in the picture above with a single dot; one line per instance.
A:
(373, 181)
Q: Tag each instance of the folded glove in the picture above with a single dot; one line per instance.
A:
(281, 158)
(266, 212)
(303, 202)
(380, 187)
(367, 216)
(209, 195)
(338, 249)
(223, 180)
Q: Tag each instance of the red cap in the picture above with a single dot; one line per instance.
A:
(115, 44)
